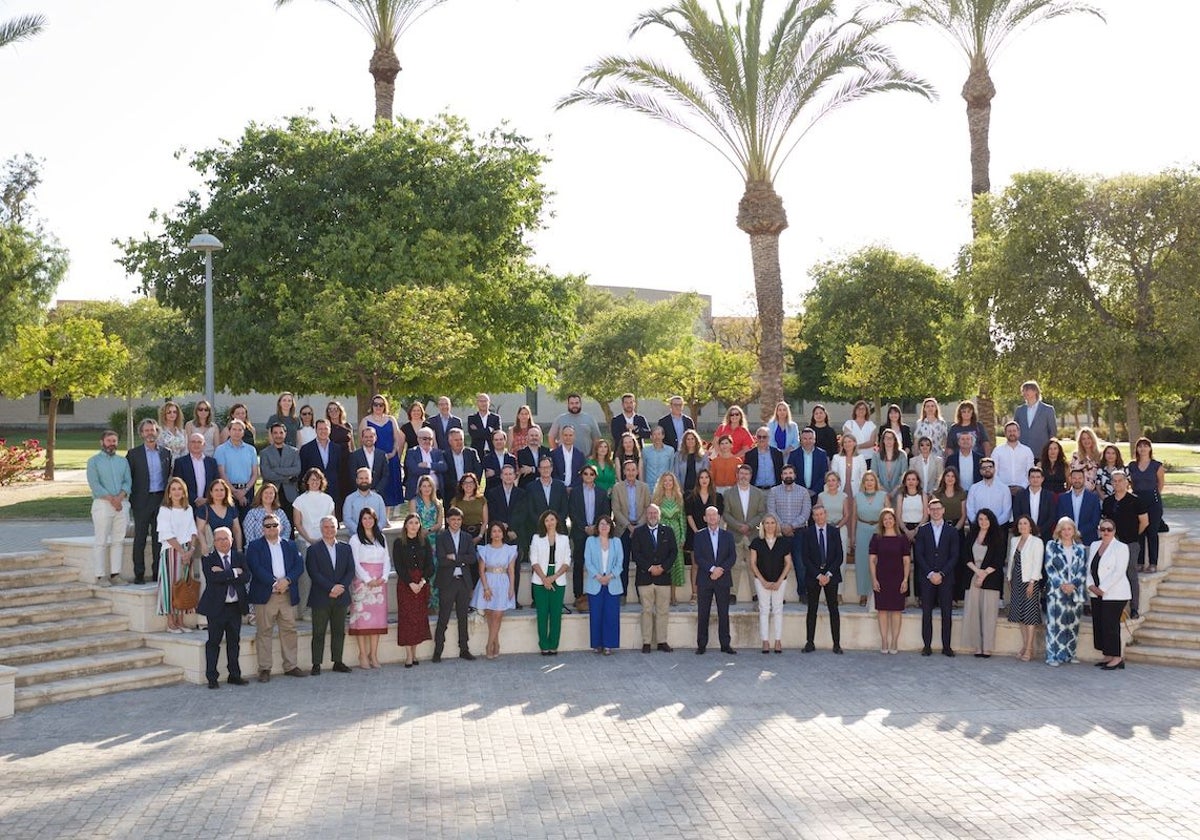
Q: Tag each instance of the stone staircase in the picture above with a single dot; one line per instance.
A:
(64, 642)
(1170, 632)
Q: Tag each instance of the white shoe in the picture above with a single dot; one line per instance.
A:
(100, 581)
(893, 651)
(174, 630)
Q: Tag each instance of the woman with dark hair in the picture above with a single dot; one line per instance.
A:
(266, 500)
(238, 411)
(1110, 461)
(861, 427)
(628, 449)
(1147, 478)
(413, 560)
(518, 432)
(217, 511)
(953, 498)
(602, 559)
(827, 437)
(967, 420)
(468, 499)
(1053, 462)
(724, 465)
(1026, 555)
(416, 419)
(341, 433)
(703, 496)
(1108, 562)
(890, 462)
(985, 552)
(368, 590)
(895, 422)
(549, 561)
(495, 592)
(306, 432)
(890, 556)
(387, 440)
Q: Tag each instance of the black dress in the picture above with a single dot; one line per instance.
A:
(693, 508)
(827, 439)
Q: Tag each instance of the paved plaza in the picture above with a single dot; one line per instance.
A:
(659, 745)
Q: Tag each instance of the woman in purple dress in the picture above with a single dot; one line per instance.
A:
(891, 560)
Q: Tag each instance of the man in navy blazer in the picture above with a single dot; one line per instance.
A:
(506, 503)
(629, 421)
(675, 423)
(811, 463)
(529, 456)
(765, 462)
(326, 456)
(196, 469)
(275, 568)
(424, 459)
(460, 459)
(1038, 503)
(1082, 507)
(330, 565)
(371, 458)
(482, 425)
(961, 459)
(442, 422)
(935, 552)
(223, 603)
(149, 471)
(1035, 419)
(568, 458)
(714, 554)
(496, 458)
(822, 571)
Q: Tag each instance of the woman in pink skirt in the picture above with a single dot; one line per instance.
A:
(368, 592)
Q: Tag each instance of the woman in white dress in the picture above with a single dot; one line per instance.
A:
(861, 427)
(177, 533)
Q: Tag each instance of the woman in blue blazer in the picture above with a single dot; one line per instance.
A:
(602, 560)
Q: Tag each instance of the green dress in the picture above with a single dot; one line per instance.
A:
(672, 517)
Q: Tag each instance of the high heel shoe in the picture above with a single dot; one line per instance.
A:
(1120, 666)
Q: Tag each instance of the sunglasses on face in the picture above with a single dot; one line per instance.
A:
(1107, 530)
(270, 525)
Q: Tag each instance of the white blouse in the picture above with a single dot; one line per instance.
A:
(312, 506)
(371, 553)
(176, 523)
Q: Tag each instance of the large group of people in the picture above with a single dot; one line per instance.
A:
(930, 514)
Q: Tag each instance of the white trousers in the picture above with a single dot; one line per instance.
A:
(770, 603)
(110, 526)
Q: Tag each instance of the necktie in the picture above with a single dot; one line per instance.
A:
(821, 540)
(654, 536)
(230, 591)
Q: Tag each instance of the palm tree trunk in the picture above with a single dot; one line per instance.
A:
(761, 215)
(1133, 420)
(979, 92)
(384, 67)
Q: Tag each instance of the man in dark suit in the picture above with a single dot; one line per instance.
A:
(822, 571)
(442, 423)
(506, 503)
(223, 603)
(421, 460)
(455, 553)
(330, 566)
(460, 460)
(482, 425)
(1082, 507)
(279, 463)
(586, 504)
(629, 421)
(1037, 503)
(1036, 421)
(966, 461)
(196, 469)
(811, 464)
(369, 457)
(326, 456)
(935, 553)
(149, 469)
(547, 493)
(653, 548)
(529, 456)
(674, 423)
(714, 555)
(568, 458)
(765, 461)
(275, 569)
(496, 458)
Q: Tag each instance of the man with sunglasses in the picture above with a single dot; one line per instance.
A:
(275, 568)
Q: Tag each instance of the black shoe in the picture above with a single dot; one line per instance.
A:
(1120, 666)
(295, 672)
(264, 676)
(1099, 664)
(467, 655)
(213, 684)
(699, 651)
(341, 668)
(837, 649)
(729, 651)
(437, 656)
(645, 648)
(809, 647)
(544, 652)
(926, 651)
(316, 671)
(138, 580)
(665, 648)
(732, 599)
(407, 664)
(766, 651)
(237, 681)
(947, 652)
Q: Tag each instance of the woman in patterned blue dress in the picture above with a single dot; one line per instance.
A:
(1066, 573)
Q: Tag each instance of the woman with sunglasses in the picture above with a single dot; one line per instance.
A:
(734, 425)
(1108, 562)
(202, 423)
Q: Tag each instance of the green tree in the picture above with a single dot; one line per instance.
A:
(411, 205)
(1092, 282)
(32, 263)
(877, 298)
(607, 360)
(20, 28)
(385, 21)
(700, 372)
(67, 357)
(980, 28)
(758, 94)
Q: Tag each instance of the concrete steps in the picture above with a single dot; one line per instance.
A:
(64, 642)
(1170, 631)
(1158, 655)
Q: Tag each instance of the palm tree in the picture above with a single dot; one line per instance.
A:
(758, 95)
(386, 21)
(980, 28)
(20, 28)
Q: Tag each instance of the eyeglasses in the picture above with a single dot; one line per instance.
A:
(1106, 530)
(306, 414)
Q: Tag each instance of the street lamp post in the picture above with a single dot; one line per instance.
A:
(206, 242)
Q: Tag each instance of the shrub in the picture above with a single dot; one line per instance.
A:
(18, 461)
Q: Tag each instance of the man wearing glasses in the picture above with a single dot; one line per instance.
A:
(275, 569)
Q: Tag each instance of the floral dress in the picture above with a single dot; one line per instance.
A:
(672, 517)
(935, 430)
(428, 514)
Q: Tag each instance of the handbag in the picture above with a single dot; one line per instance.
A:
(185, 593)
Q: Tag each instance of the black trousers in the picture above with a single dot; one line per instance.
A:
(1106, 625)
(704, 598)
(577, 566)
(227, 623)
(145, 523)
(331, 617)
(626, 553)
(942, 596)
(455, 595)
(813, 596)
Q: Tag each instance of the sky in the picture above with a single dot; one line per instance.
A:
(110, 92)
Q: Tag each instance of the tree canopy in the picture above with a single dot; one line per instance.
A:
(32, 263)
(303, 208)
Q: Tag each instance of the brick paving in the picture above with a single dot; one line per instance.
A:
(633, 745)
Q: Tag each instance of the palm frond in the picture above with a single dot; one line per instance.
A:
(21, 28)
(384, 20)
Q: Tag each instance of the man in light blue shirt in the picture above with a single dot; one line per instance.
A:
(238, 464)
(366, 497)
(110, 482)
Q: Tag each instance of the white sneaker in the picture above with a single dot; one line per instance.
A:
(174, 630)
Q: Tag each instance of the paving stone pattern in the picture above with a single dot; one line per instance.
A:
(654, 746)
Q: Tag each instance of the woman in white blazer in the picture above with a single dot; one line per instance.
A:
(549, 561)
(1108, 560)
(1026, 557)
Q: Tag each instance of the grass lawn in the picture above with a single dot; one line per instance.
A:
(76, 506)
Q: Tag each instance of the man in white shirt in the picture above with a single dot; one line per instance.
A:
(275, 569)
(989, 493)
(745, 507)
(1013, 459)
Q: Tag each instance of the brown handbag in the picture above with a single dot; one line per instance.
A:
(185, 593)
